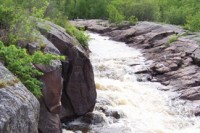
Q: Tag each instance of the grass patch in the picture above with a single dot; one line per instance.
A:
(172, 39)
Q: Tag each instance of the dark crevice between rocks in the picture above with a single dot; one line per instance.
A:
(66, 102)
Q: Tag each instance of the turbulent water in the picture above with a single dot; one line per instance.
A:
(129, 106)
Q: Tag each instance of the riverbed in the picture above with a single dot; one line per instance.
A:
(127, 104)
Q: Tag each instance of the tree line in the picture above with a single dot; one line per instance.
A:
(179, 12)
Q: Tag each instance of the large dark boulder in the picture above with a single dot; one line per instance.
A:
(79, 92)
(19, 109)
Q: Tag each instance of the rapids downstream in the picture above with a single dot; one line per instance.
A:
(127, 105)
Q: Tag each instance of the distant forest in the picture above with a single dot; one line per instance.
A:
(179, 12)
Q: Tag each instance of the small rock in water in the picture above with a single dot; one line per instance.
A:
(197, 111)
(114, 114)
(144, 77)
(165, 83)
(93, 118)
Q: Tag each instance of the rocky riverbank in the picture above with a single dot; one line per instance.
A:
(174, 51)
(68, 88)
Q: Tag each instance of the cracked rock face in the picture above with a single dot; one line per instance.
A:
(19, 109)
(79, 91)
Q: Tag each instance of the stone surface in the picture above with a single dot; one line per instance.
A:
(93, 118)
(79, 92)
(49, 122)
(19, 109)
(101, 27)
(196, 56)
(73, 78)
(50, 102)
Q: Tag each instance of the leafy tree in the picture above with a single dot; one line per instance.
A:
(114, 15)
(133, 20)
(193, 22)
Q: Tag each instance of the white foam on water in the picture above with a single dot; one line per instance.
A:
(146, 109)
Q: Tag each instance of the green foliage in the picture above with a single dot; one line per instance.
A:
(6, 14)
(175, 15)
(133, 20)
(172, 39)
(15, 18)
(114, 15)
(86, 9)
(20, 63)
(80, 35)
(193, 22)
(142, 9)
(180, 12)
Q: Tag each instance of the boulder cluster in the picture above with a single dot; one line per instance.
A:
(68, 87)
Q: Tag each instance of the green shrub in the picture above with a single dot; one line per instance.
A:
(172, 39)
(144, 10)
(193, 22)
(133, 20)
(19, 62)
(114, 15)
(175, 15)
(80, 35)
(6, 14)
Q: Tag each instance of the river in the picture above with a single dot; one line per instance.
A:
(139, 107)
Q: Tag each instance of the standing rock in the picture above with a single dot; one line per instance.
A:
(79, 92)
(19, 109)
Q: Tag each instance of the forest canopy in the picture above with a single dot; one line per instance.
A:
(179, 12)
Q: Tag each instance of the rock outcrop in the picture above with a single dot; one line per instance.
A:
(19, 109)
(50, 102)
(79, 92)
(68, 86)
(174, 51)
